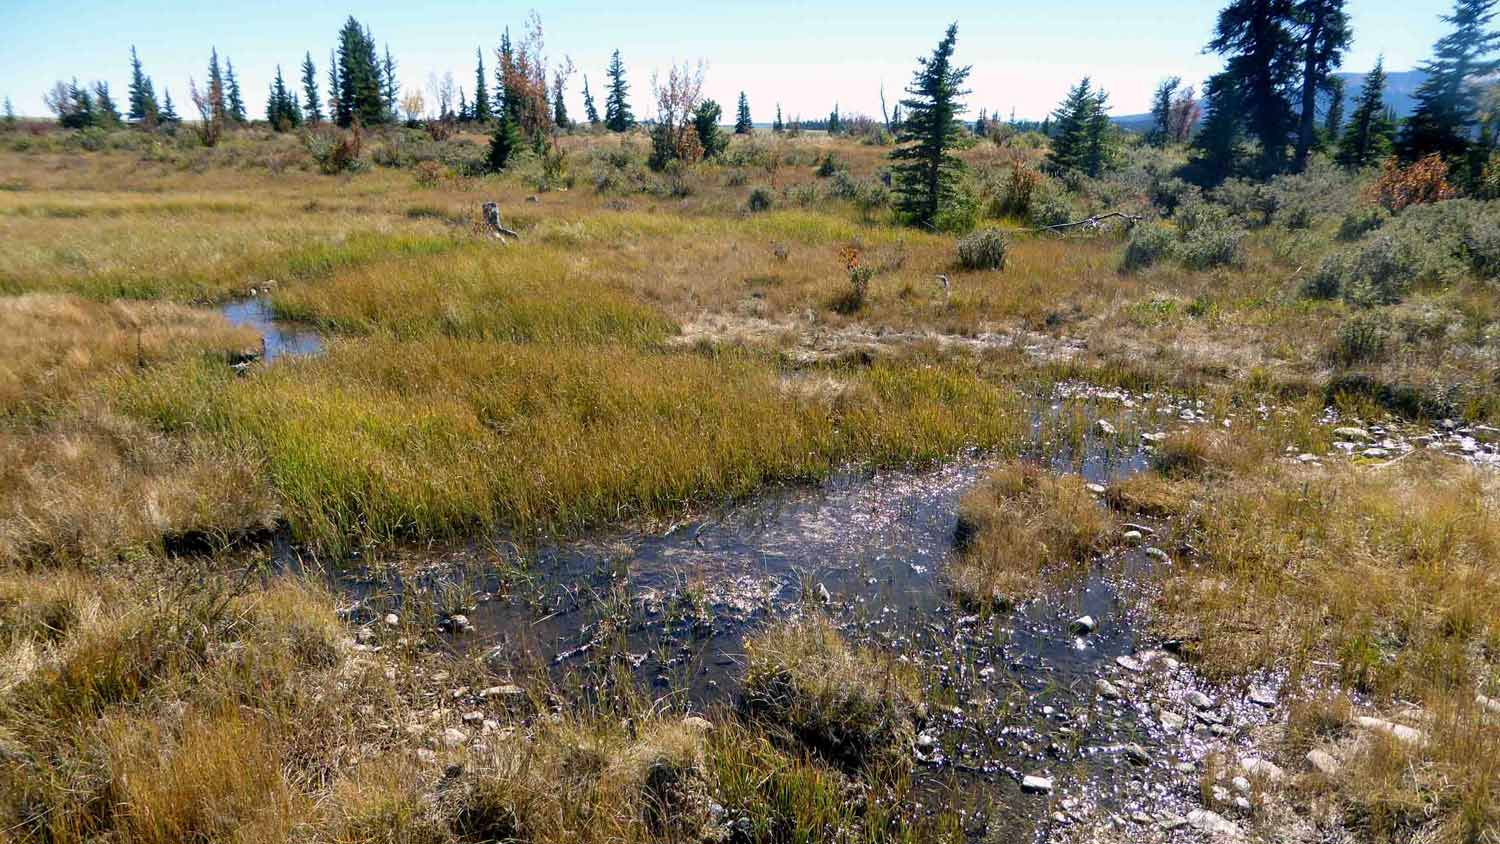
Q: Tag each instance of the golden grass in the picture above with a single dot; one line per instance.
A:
(1019, 523)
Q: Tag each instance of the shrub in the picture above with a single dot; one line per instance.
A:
(982, 250)
(428, 173)
(860, 274)
(829, 166)
(1018, 191)
(1419, 183)
(1482, 244)
(1327, 281)
(1051, 208)
(1361, 221)
(1361, 339)
(1211, 246)
(1380, 272)
(760, 200)
(332, 150)
(1248, 202)
(1148, 245)
(843, 186)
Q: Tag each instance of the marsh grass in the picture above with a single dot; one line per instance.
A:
(1019, 523)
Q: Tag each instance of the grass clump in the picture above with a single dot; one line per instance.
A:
(850, 705)
(982, 250)
(1018, 521)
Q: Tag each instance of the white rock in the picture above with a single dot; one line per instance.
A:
(1083, 625)
(1263, 768)
(1323, 762)
(1241, 785)
(1400, 732)
(1261, 696)
(1157, 554)
(1036, 784)
(1105, 428)
(698, 724)
(1198, 700)
(454, 737)
(1133, 537)
(1352, 433)
(1129, 663)
(1106, 690)
(1488, 703)
(1097, 489)
(391, 619)
(1172, 721)
(1212, 823)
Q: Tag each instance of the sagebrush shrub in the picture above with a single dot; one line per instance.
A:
(760, 200)
(1148, 245)
(1361, 221)
(1207, 247)
(982, 250)
(1361, 339)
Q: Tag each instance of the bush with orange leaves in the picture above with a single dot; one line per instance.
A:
(1420, 182)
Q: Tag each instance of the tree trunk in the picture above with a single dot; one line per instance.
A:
(1310, 85)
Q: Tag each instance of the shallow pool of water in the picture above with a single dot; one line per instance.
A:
(278, 338)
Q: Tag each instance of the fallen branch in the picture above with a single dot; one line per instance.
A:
(492, 219)
(1093, 222)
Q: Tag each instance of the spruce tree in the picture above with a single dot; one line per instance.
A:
(1252, 94)
(1368, 135)
(282, 111)
(10, 113)
(926, 171)
(504, 143)
(508, 98)
(143, 107)
(778, 126)
(560, 117)
(361, 96)
(742, 124)
(481, 88)
(106, 114)
(312, 108)
(168, 109)
(1081, 131)
(1333, 119)
(216, 107)
(390, 91)
(1447, 104)
(236, 102)
(1325, 36)
(706, 124)
(464, 113)
(617, 116)
(1161, 110)
(336, 111)
(589, 109)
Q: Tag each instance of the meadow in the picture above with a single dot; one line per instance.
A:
(655, 344)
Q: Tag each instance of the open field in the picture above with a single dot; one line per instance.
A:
(191, 647)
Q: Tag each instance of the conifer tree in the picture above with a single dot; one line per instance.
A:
(143, 107)
(465, 114)
(834, 124)
(236, 102)
(559, 105)
(1161, 110)
(1333, 119)
(778, 126)
(10, 113)
(168, 115)
(218, 111)
(1081, 130)
(106, 113)
(481, 88)
(336, 111)
(282, 111)
(926, 171)
(508, 98)
(742, 123)
(617, 115)
(706, 125)
(361, 96)
(589, 109)
(1447, 104)
(1252, 94)
(1325, 36)
(312, 107)
(390, 91)
(504, 142)
(1368, 135)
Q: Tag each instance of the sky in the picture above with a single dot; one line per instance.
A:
(805, 56)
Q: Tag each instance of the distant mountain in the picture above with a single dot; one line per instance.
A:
(1400, 94)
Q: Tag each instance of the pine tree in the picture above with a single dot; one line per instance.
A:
(106, 114)
(282, 111)
(236, 102)
(503, 143)
(706, 124)
(390, 91)
(216, 107)
(1368, 136)
(464, 113)
(1447, 105)
(589, 109)
(1325, 37)
(559, 106)
(168, 110)
(143, 107)
(1252, 93)
(360, 94)
(9, 114)
(509, 99)
(313, 107)
(1333, 119)
(1161, 110)
(617, 116)
(926, 171)
(778, 127)
(75, 107)
(336, 111)
(481, 88)
(834, 125)
(1080, 136)
(742, 124)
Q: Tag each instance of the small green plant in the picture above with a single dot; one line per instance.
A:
(982, 250)
(760, 200)
(1362, 339)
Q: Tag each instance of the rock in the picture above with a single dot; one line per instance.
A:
(1241, 785)
(1106, 689)
(1212, 823)
(391, 619)
(1141, 818)
(1133, 537)
(1105, 428)
(1323, 762)
(1172, 722)
(426, 757)
(1157, 554)
(1097, 489)
(822, 594)
(1136, 754)
(1263, 768)
(926, 740)
(454, 737)
(1171, 822)
(1083, 625)
(698, 724)
(1489, 704)
(1198, 700)
(1375, 453)
(364, 634)
(459, 623)
(1036, 784)
(1352, 433)
(1261, 696)
(508, 690)
(474, 717)
(1130, 663)
(1400, 732)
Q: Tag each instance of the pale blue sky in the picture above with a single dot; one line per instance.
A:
(805, 55)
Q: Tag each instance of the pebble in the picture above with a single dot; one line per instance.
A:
(698, 724)
(1263, 768)
(1261, 696)
(1105, 427)
(1134, 537)
(1097, 489)
(1172, 721)
(391, 619)
(823, 596)
(1129, 663)
(1157, 554)
(1036, 784)
(1171, 822)
(1106, 689)
(454, 737)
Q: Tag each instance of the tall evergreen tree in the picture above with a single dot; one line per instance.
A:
(926, 171)
(1447, 104)
(509, 99)
(560, 117)
(282, 109)
(235, 100)
(778, 126)
(589, 109)
(1368, 136)
(10, 113)
(742, 124)
(361, 96)
(1325, 35)
(312, 107)
(1333, 119)
(706, 124)
(106, 113)
(1161, 110)
(481, 88)
(1081, 131)
(617, 115)
(390, 91)
(1252, 94)
(143, 107)
(504, 142)
(336, 111)
(169, 116)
